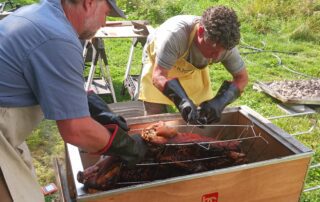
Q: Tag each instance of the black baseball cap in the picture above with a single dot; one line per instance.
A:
(115, 10)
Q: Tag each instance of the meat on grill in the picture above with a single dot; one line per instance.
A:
(171, 154)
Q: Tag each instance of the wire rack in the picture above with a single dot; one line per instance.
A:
(178, 159)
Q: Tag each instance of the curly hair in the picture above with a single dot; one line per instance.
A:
(221, 25)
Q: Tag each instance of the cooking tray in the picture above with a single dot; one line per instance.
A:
(284, 99)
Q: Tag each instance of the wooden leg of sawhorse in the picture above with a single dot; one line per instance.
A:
(132, 83)
(106, 74)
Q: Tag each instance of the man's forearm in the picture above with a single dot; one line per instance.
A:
(241, 79)
(85, 133)
(159, 77)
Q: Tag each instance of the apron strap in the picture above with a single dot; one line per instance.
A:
(191, 37)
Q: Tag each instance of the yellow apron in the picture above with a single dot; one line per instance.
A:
(196, 82)
(15, 164)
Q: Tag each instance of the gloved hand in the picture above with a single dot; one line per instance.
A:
(174, 91)
(111, 118)
(131, 149)
(211, 110)
(100, 112)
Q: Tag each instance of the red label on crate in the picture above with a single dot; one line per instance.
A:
(212, 197)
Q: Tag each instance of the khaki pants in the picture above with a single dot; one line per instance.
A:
(17, 178)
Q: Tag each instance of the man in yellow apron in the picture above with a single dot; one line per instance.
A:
(42, 76)
(175, 65)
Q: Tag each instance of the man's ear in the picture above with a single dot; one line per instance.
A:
(87, 4)
(201, 31)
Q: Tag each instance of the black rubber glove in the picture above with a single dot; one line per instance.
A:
(174, 91)
(211, 110)
(131, 149)
(100, 112)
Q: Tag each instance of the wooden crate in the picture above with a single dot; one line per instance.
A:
(277, 174)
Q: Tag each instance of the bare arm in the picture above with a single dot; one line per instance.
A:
(159, 77)
(241, 79)
(84, 132)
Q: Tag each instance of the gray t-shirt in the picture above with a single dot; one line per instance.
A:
(41, 62)
(172, 42)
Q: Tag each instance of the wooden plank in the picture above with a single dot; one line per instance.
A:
(128, 109)
(126, 23)
(61, 180)
(277, 183)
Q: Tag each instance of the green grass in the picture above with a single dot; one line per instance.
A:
(272, 25)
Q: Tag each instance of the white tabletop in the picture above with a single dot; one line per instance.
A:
(123, 29)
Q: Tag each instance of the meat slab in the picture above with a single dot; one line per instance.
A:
(170, 154)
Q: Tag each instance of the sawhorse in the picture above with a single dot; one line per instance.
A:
(138, 31)
(132, 82)
(103, 84)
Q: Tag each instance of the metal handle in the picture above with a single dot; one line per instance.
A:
(300, 133)
(315, 187)
(297, 114)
